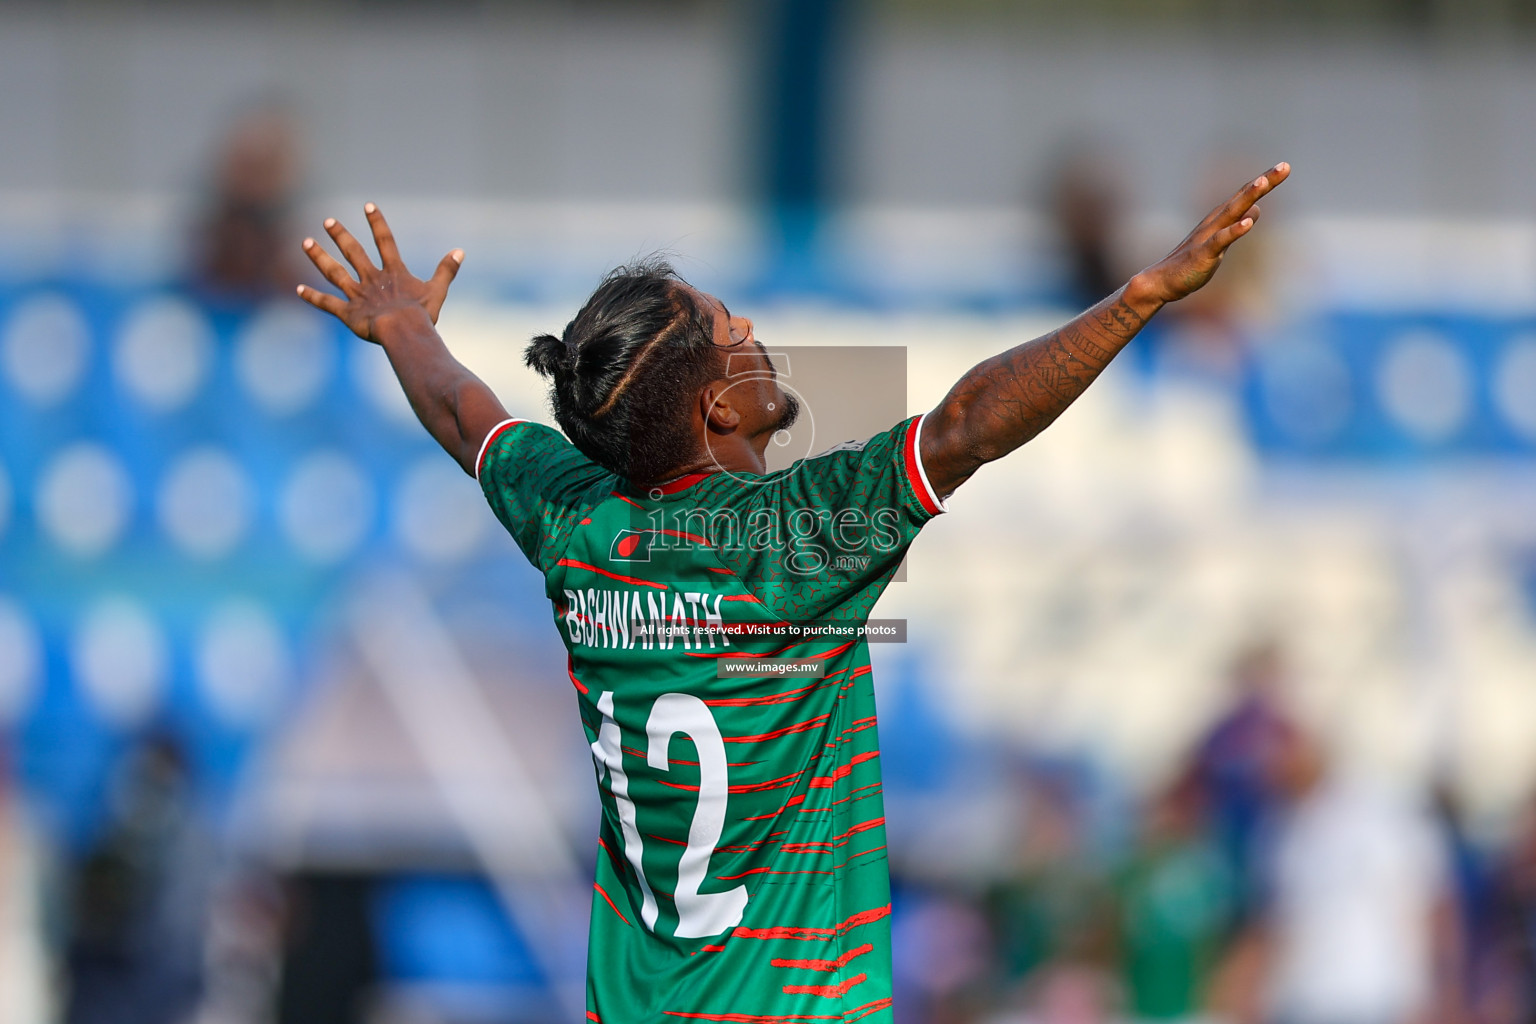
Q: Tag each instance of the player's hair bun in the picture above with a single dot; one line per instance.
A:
(627, 369)
(548, 356)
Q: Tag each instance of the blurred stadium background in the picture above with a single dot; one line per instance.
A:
(1230, 679)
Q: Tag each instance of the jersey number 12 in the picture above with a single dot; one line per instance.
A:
(699, 914)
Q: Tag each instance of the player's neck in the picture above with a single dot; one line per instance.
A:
(729, 453)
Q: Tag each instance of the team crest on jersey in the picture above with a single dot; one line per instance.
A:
(632, 546)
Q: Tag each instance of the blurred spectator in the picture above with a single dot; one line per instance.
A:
(1358, 929)
(1055, 909)
(329, 961)
(243, 249)
(245, 946)
(140, 897)
(1086, 203)
(1070, 993)
(1474, 900)
(940, 952)
(1504, 989)
(1176, 907)
(1235, 761)
(23, 974)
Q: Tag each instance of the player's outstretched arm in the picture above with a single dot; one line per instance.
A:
(1008, 399)
(397, 311)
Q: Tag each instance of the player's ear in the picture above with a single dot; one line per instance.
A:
(716, 407)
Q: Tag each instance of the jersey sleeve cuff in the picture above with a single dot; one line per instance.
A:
(485, 446)
(926, 495)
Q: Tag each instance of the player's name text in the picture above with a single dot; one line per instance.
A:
(632, 618)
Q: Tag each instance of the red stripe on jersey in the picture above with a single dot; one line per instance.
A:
(859, 1013)
(570, 670)
(681, 483)
(835, 841)
(490, 439)
(768, 871)
(825, 965)
(611, 575)
(695, 538)
(723, 572)
(746, 787)
(826, 781)
(594, 1018)
(929, 500)
(759, 787)
(678, 785)
(834, 652)
(826, 991)
(834, 869)
(792, 801)
(618, 865)
(818, 934)
(753, 1018)
(616, 910)
(804, 726)
(753, 847)
(859, 725)
(787, 697)
(622, 498)
(851, 796)
(642, 755)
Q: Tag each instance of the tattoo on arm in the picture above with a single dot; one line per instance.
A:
(1005, 401)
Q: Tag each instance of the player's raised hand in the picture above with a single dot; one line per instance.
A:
(1192, 262)
(375, 292)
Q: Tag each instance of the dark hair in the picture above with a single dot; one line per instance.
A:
(627, 368)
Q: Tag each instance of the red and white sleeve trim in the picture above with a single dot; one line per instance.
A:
(485, 446)
(929, 498)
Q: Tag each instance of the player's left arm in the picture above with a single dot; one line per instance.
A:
(397, 311)
(1008, 399)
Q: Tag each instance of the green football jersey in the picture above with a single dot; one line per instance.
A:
(742, 870)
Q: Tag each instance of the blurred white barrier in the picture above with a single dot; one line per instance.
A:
(507, 823)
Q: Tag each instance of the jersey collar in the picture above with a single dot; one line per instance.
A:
(682, 483)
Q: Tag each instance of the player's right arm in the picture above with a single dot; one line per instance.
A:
(1008, 399)
(390, 307)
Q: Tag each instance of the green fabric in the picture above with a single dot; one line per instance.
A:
(1177, 904)
(752, 805)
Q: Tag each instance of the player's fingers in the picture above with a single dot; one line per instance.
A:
(1231, 233)
(1237, 207)
(389, 256)
(334, 272)
(446, 271)
(350, 248)
(323, 300)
